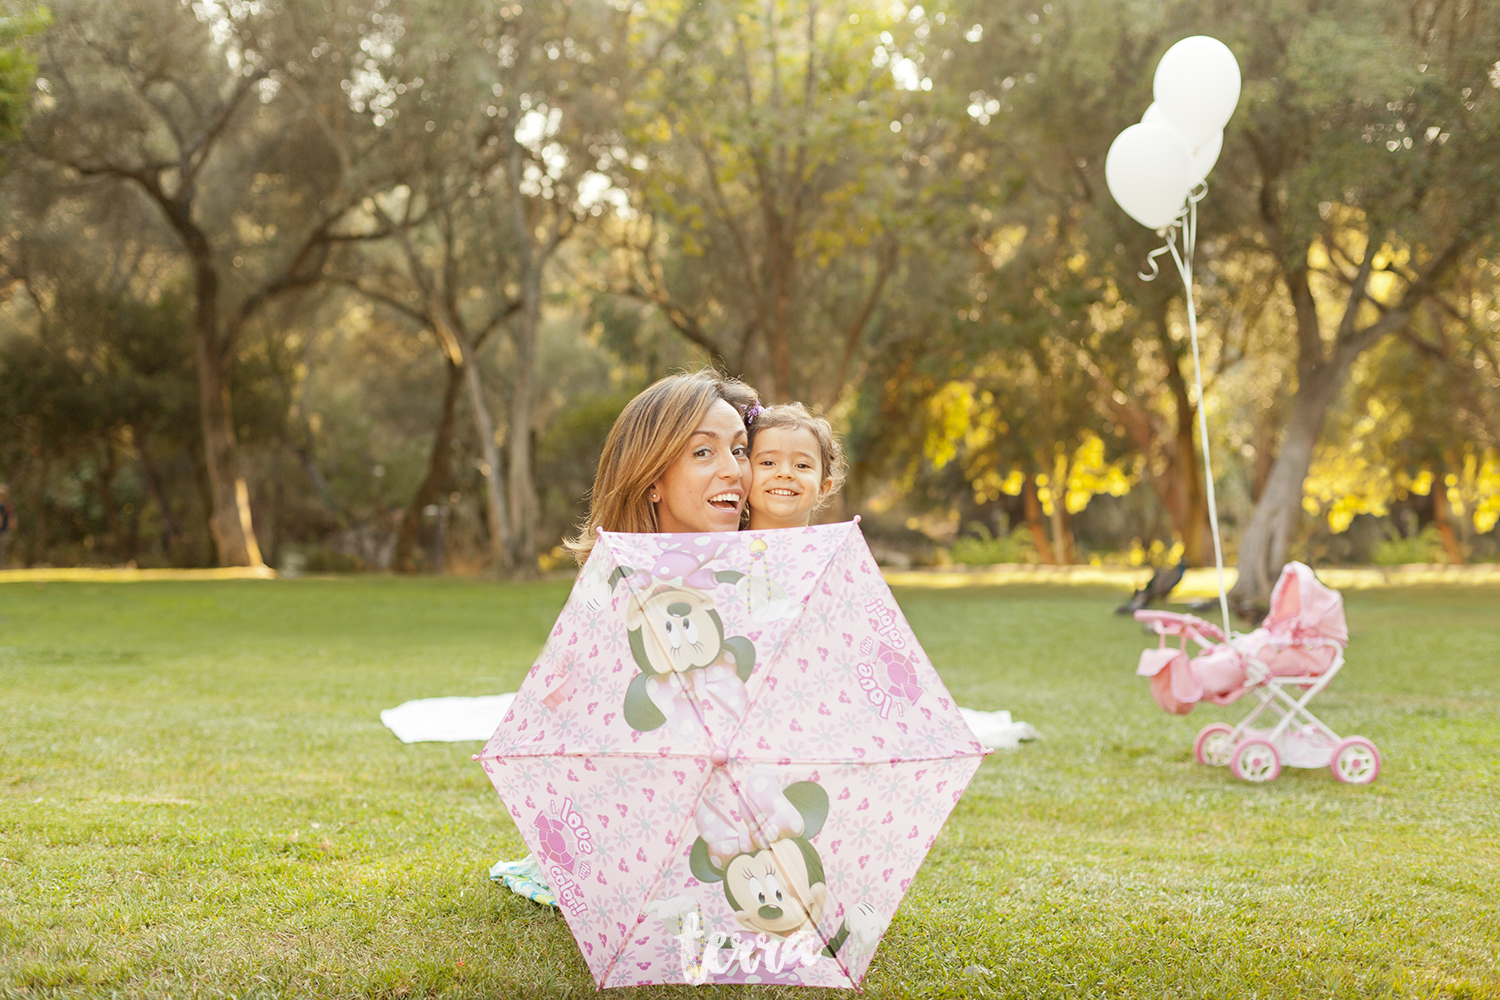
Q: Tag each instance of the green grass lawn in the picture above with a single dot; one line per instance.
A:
(197, 798)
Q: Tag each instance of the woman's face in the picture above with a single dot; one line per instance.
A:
(704, 488)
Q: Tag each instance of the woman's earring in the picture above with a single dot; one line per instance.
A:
(653, 498)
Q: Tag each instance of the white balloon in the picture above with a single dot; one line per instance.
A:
(1197, 87)
(1205, 156)
(1149, 171)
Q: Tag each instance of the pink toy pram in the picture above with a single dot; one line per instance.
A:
(1285, 664)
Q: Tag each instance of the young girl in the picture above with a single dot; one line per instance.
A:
(796, 465)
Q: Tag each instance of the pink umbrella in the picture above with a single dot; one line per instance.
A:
(731, 757)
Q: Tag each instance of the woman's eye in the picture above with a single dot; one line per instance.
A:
(702, 453)
(740, 451)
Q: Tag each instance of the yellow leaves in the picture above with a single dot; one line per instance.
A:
(1477, 488)
(1158, 554)
(951, 411)
(658, 130)
(989, 485)
(958, 417)
(1346, 481)
(1352, 478)
(1003, 245)
(1317, 255)
(1084, 475)
(1091, 475)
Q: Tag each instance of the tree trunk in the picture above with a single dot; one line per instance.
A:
(1033, 511)
(36, 547)
(523, 499)
(1189, 512)
(780, 265)
(1062, 533)
(437, 474)
(107, 472)
(229, 519)
(1442, 516)
(169, 530)
(1264, 443)
(489, 452)
(1268, 537)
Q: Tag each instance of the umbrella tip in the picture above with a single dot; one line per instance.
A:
(599, 531)
(856, 518)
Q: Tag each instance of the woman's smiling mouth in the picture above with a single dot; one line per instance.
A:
(725, 501)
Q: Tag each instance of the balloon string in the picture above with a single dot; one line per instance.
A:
(1185, 270)
(1151, 262)
(1187, 218)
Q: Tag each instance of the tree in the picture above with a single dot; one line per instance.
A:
(524, 101)
(234, 127)
(1050, 263)
(1368, 137)
(1421, 419)
(776, 163)
(17, 65)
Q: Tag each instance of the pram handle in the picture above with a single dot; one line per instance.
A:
(1175, 623)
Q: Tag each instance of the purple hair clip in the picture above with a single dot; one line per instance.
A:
(750, 412)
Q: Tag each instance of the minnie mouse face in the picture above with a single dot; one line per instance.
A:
(777, 886)
(778, 890)
(674, 629)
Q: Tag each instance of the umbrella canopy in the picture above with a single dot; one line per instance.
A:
(731, 757)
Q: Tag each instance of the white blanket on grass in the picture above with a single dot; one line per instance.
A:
(447, 720)
(459, 720)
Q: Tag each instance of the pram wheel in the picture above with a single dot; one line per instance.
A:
(1212, 747)
(1355, 761)
(1255, 760)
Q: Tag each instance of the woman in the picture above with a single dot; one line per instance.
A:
(675, 461)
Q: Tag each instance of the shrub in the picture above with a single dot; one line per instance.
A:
(1426, 546)
(983, 549)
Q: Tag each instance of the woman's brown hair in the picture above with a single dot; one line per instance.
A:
(646, 438)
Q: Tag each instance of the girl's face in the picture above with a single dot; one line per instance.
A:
(787, 481)
(704, 488)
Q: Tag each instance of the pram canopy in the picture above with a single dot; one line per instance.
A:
(1304, 609)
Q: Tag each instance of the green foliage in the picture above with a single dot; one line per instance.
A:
(983, 549)
(18, 22)
(236, 821)
(1426, 546)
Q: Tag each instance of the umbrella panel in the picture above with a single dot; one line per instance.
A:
(804, 684)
